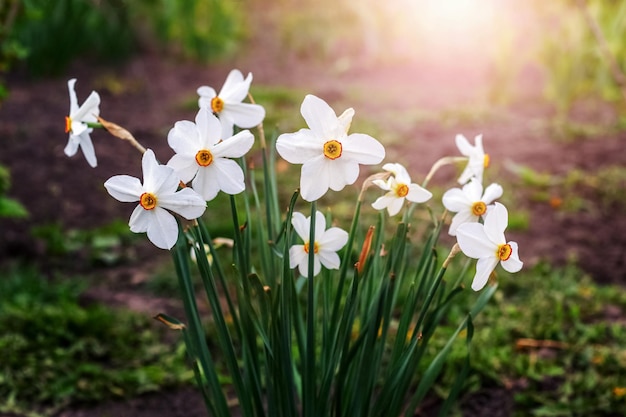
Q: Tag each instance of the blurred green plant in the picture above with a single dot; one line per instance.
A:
(8, 206)
(56, 351)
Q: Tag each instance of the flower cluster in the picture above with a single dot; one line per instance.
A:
(204, 164)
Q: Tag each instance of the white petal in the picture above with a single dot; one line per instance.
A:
(455, 200)
(399, 172)
(301, 225)
(245, 115)
(206, 183)
(185, 202)
(474, 242)
(484, 268)
(297, 256)
(235, 88)
(341, 173)
(395, 206)
(235, 146)
(206, 95)
(88, 150)
(463, 145)
(492, 192)
(89, 111)
(473, 190)
(140, 220)
(314, 179)
(320, 118)
(162, 229)
(466, 175)
(384, 201)
(184, 138)
(496, 221)
(229, 176)
(185, 166)
(209, 128)
(513, 264)
(345, 119)
(72, 145)
(320, 225)
(463, 216)
(363, 149)
(418, 194)
(124, 188)
(333, 239)
(299, 147)
(384, 185)
(329, 259)
(73, 100)
(227, 126)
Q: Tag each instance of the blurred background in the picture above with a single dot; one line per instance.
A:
(544, 82)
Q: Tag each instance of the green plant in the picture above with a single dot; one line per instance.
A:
(56, 350)
(9, 207)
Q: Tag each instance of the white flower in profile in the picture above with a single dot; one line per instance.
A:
(486, 242)
(156, 196)
(228, 104)
(201, 155)
(330, 157)
(478, 160)
(469, 203)
(399, 188)
(76, 124)
(325, 247)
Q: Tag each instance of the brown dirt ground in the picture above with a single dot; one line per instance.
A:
(152, 87)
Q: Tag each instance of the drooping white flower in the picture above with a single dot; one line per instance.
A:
(399, 188)
(478, 160)
(330, 157)
(486, 242)
(76, 124)
(201, 155)
(156, 196)
(228, 104)
(469, 203)
(325, 247)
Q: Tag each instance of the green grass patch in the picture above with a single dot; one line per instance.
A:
(56, 351)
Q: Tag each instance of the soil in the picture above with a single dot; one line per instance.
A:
(146, 94)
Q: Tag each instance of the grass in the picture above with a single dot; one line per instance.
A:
(56, 351)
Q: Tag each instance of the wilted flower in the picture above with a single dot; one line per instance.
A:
(486, 242)
(478, 159)
(325, 247)
(228, 106)
(76, 124)
(330, 157)
(469, 203)
(399, 188)
(201, 155)
(156, 196)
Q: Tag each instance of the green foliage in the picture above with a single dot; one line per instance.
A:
(57, 351)
(559, 339)
(8, 206)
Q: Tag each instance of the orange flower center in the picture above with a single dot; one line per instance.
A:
(332, 149)
(402, 190)
(68, 124)
(217, 104)
(486, 160)
(148, 201)
(504, 251)
(204, 158)
(479, 208)
(315, 247)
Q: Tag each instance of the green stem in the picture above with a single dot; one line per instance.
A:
(309, 379)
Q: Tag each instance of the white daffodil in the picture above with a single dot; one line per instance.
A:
(76, 124)
(478, 160)
(228, 106)
(399, 188)
(469, 203)
(486, 242)
(330, 157)
(201, 155)
(156, 196)
(325, 247)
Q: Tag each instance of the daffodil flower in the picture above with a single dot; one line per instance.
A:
(469, 203)
(228, 106)
(399, 188)
(486, 242)
(478, 160)
(330, 157)
(325, 247)
(201, 155)
(156, 196)
(76, 124)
